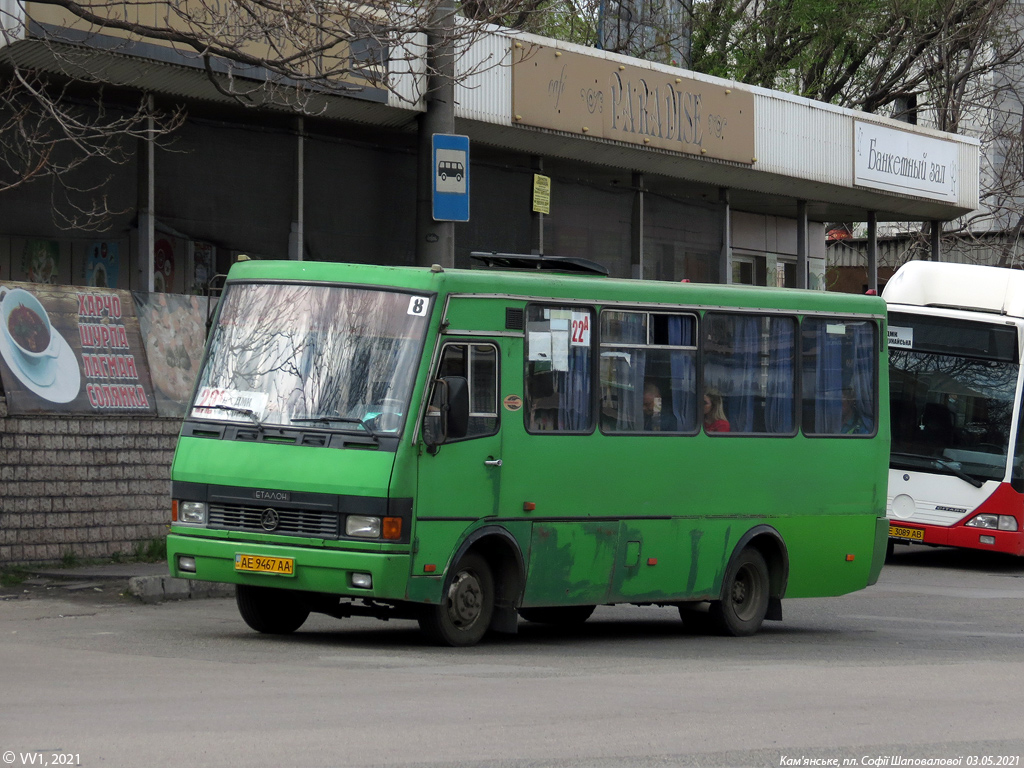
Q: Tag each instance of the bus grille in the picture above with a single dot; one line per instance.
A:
(292, 522)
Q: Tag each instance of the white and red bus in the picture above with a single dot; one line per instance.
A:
(955, 474)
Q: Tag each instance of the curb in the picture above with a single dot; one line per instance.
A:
(157, 589)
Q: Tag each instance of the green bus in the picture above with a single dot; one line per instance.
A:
(530, 439)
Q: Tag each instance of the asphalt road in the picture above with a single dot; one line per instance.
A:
(928, 665)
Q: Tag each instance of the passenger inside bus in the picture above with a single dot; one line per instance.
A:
(652, 407)
(714, 412)
(853, 420)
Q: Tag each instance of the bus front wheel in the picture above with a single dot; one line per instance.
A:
(744, 600)
(467, 605)
(271, 611)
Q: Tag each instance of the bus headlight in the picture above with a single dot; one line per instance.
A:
(363, 527)
(994, 522)
(192, 512)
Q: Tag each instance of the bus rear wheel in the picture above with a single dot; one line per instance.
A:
(467, 605)
(744, 600)
(271, 611)
(563, 616)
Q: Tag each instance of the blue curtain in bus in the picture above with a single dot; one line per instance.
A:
(828, 381)
(683, 370)
(630, 417)
(739, 404)
(574, 400)
(863, 383)
(781, 376)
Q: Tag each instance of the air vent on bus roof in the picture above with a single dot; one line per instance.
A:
(533, 261)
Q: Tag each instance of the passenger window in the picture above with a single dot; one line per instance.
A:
(478, 364)
(559, 394)
(648, 372)
(749, 374)
(840, 376)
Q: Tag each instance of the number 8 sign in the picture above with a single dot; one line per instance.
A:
(418, 306)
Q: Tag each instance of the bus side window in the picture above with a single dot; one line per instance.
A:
(559, 362)
(839, 376)
(478, 364)
(750, 362)
(648, 372)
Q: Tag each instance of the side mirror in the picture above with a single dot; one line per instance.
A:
(447, 415)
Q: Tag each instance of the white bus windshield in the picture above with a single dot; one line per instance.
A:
(335, 357)
(952, 385)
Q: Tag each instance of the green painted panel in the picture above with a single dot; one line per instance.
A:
(571, 563)
(282, 467)
(435, 544)
(476, 314)
(677, 558)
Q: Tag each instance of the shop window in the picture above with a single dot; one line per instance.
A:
(743, 271)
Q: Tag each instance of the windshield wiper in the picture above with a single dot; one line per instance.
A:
(940, 463)
(959, 473)
(233, 409)
(344, 419)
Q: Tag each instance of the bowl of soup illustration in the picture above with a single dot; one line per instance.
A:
(27, 325)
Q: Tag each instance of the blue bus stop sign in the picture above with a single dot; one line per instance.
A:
(451, 177)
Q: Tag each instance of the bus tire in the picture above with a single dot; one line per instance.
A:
(562, 616)
(744, 600)
(467, 605)
(270, 611)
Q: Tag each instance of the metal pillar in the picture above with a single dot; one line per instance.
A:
(637, 228)
(435, 240)
(725, 257)
(801, 244)
(872, 252)
(536, 217)
(936, 240)
(146, 204)
(297, 237)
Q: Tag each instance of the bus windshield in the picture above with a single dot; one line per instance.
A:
(320, 356)
(952, 396)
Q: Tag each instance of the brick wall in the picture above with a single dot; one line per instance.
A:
(88, 486)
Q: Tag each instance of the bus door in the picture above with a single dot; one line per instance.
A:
(554, 475)
(458, 482)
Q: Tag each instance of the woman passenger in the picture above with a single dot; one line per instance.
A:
(714, 413)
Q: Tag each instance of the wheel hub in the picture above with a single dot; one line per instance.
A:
(465, 599)
(739, 592)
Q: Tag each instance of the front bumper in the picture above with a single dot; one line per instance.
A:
(316, 569)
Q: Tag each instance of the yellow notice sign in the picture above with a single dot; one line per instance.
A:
(541, 193)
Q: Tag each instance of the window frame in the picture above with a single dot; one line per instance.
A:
(469, 344)
(649, 312)
(876, 341)
(797, 360)
(593, 402)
